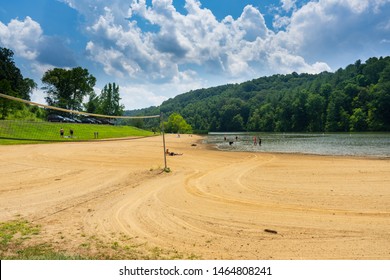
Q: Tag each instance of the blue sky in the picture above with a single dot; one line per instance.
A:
(157, 49)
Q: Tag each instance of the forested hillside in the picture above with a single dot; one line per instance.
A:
(356, 98)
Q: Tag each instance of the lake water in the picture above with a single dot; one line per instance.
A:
(354, 144)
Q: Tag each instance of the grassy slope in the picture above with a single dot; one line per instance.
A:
(17, 132)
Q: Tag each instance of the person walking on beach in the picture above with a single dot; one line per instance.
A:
(254, 140)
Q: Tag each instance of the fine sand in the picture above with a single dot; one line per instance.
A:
(212, 205)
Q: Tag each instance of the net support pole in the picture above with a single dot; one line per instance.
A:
(163, 135)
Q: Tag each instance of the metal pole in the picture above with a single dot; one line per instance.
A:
(163, 134)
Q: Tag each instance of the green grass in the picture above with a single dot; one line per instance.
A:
(10, 229)
(22, 132)
(23, 240)
(13, 236)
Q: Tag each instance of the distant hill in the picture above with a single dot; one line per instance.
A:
(356, 98)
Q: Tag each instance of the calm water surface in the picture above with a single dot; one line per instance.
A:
(354, 144)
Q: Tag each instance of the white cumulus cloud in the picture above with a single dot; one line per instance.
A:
(337, 31)
(231, 48)
(288, 5)
(22, 36)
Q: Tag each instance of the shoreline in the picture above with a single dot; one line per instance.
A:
(214, 147)
(244, 148)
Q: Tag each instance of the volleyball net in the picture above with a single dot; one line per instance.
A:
(58, 124)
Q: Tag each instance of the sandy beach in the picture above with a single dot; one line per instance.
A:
(212, 205)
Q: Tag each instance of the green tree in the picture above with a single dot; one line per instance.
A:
(93, 103)
(381, 102)
(67, 88)
(299, 113)
(12, 83)
(109, 101)
(263, 118)
(177, 124)
(315, 107)
(284, 114)
(326, 90)
(373, 68)
(337, 115)
(6, 105)
(231, 118)
(358, 120)
(237, 123)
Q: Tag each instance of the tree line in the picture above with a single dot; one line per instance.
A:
(356, 98)
(64, 88)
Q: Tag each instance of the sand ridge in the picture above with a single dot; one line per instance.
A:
(213, 205)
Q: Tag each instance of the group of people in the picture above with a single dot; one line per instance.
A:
(256, 141)
(62, 133)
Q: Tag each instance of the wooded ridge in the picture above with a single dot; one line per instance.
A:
(356, 98)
